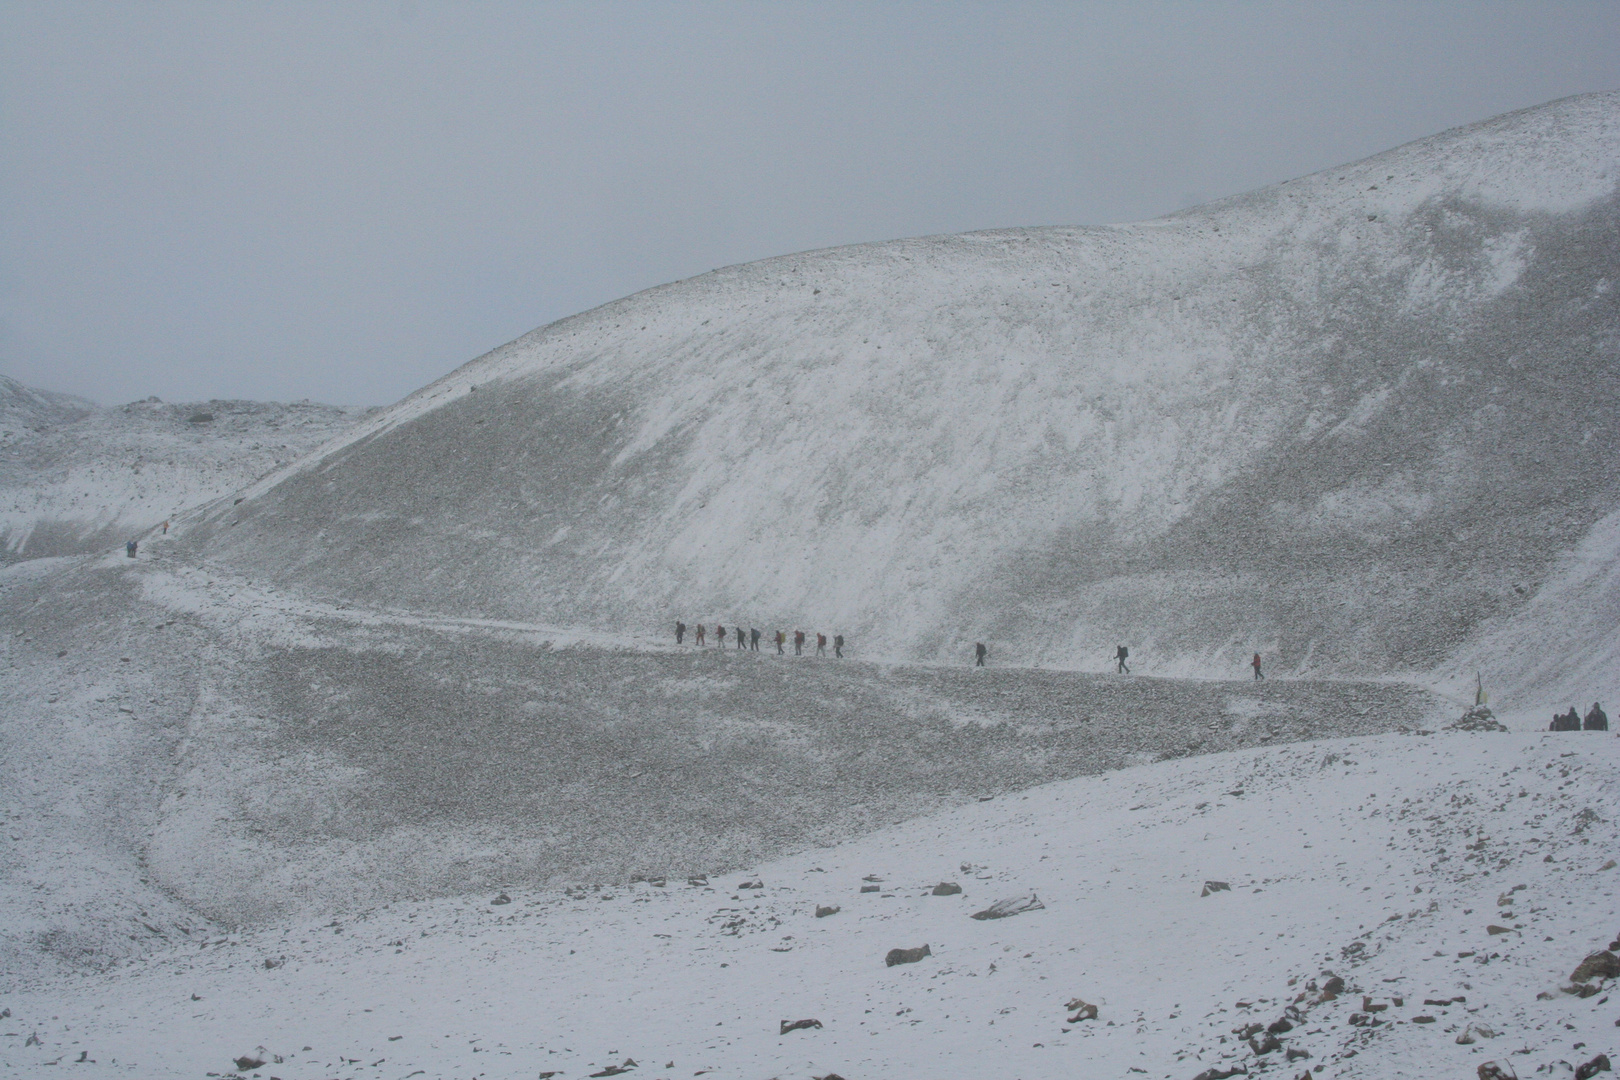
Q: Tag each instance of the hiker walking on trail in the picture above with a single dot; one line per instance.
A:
(700, 634)
(737, 635)
(1570, 721)
(780, 638)
(680, 632)
(720, 635)
(1120, 666)
(1255, 663)
(798, 643)
(1597, 719)
(821, 644)
(979, 653)
(838, 646)
(753, 639)
(129, 549)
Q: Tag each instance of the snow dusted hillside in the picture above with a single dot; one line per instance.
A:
(1452, 883)
(1348, 421)
(75, 477)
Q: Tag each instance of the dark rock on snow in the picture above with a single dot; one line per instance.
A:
(1599, 965)
(906, 956)
(1013, 905)
(947, 888)
(1215, 887)
(822, 910)
(798, 1025)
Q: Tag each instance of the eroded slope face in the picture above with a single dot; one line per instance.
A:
(1341, 421)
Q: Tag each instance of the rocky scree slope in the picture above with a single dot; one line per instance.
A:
(1345, 421)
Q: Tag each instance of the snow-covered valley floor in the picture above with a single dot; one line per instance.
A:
(1384, 860)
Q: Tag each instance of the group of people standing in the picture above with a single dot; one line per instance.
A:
(1596, 720)
(749, 639)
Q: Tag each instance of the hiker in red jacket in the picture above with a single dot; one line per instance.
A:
(821, 644)
(699, 633)
(1255, 663)
(798, 643)
(720, 635)
(780, 637)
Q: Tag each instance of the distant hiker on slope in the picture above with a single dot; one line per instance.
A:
(129, 549)
(798, 643)
(780, 638)
(680, 632)
(737, 634)
(720, 634)
(1570, 721)
(1597, 719)
(838, 646)
(753, 639)
(979, 653)
(1255, 663)
(700, 634)
(821, 644)
(1120, 666)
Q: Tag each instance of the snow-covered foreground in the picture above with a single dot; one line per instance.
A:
(1383, 860)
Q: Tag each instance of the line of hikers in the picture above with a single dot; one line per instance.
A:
(1596, 720)
(749, 639)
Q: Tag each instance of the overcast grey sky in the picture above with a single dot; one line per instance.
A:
(345, 201)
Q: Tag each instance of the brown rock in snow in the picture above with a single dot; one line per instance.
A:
(947, 888)
(1497, 1070)
(906, 956)
(1599, 965)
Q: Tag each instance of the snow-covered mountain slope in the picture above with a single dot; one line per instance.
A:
(1450, 881)
(77, 478)
(1344, 421)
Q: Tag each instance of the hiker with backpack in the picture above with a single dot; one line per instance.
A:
(821, 644)
(753, 639)
(1597, 719)
(798, 643)
(780, 639)
(1120, 666)
(680, 632)
(737, 635)
(1255, 663)
(979, 653)
(838, 646)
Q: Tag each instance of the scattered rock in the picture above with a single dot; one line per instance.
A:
(1215, 887)
(871, 888)
(247, 1064)
(1599, 965)
(1334, 985)
(829, 1076)
(33, 1040)
(822, 910)
(1592, 1068)
(1443, 1002)
(797, 1025)
(1279, 1026)
(1218, 1073)
(273, 962)
(1265, 1045)
(1422, 1019)
(699, 880)
(947, 888)
(1497, 1070)
(501, 899)
(1583, 990)
(1083, 1010)
(752, 885)
(1296, 1053)
(906, 956)
(1014, 905)
(1367, 1005)
(1494, 930)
